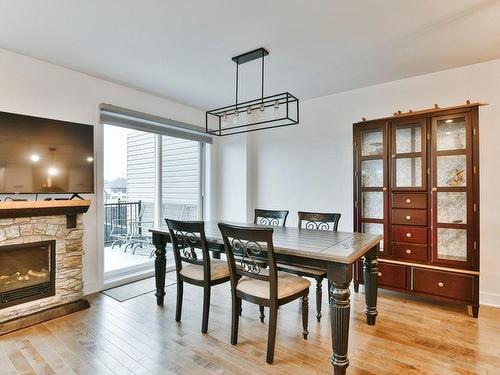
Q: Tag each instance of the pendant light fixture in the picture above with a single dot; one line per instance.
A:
(258, 114)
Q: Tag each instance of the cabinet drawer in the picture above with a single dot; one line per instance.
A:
(409, 200)
(392, 275)
(409, 234)
(409, 251)
(444, 284)
(409, 217)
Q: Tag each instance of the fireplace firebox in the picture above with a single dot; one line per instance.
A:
(27, 272)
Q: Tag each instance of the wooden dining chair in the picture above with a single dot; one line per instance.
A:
(193, 264)
(264, 287)
(314, 221)
(273, 218)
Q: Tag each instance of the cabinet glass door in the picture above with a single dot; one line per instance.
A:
(451, 190)
(371, 172)
(408, 155)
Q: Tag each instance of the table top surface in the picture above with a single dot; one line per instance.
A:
(332, 246)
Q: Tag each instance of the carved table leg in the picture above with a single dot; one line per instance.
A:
(340, 276)
(160, 267)
(370, 275)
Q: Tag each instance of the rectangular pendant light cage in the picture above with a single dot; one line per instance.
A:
(264, 113)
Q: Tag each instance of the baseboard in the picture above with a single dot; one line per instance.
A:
(42, 316)
(489, 299)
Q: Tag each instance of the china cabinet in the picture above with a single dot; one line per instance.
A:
(416, 181)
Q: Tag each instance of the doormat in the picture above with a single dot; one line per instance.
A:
(138, 288)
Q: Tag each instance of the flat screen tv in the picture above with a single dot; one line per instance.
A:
(39, 155)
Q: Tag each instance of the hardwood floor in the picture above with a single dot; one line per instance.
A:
(137, 337)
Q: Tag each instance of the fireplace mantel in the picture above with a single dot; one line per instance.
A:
(70, 208)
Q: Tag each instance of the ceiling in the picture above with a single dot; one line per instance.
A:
(182, 49)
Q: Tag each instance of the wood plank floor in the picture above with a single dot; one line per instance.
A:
(412, 336)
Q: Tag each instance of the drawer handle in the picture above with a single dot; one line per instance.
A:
(440, 284)
(408, 200)
(408, 251)
(408, 235)
(408, 217)
(380, 273)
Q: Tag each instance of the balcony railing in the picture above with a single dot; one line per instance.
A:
(117, 214)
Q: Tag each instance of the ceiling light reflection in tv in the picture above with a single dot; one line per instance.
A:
(39, 155)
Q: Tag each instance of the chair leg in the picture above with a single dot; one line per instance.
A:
(235, 319)
(178, 308)
(206, 308)
(319, 296)
(305, 316)
(262, 315)
(271, 336)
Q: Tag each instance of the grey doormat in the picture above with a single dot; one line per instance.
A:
(125, 292)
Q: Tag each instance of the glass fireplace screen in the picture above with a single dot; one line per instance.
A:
(27, 272)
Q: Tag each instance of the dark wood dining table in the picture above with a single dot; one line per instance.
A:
(333, 251)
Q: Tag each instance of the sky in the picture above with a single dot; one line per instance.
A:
(115, 152)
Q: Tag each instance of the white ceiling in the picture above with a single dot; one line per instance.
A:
(182, 49)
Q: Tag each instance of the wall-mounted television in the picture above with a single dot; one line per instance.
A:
(39, 155)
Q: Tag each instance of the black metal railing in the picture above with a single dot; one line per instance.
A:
(116, 216)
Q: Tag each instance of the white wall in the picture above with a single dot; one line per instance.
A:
(309, 166)
(33, 87)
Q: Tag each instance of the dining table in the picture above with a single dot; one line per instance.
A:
(336, 252)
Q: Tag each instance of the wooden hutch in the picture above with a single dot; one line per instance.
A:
(416, 181)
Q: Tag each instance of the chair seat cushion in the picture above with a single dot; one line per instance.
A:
(218, 270)
(287, 286)
(312, 271)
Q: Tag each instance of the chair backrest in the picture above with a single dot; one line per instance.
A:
(318, 220)
(189, 244)
(273, 218)
(250, 244)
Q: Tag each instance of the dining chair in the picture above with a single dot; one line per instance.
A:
(273, 218)
(264, 287)
(193, 264)
(314, 221)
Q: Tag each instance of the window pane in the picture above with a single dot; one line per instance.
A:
(451, 170)
(372, 142)
(451, 134)
(408, 172)
(408, 139)
(452, 244)
(180, 178)
(372, 173)
(452, 207)
(372, 205)
(374, 228)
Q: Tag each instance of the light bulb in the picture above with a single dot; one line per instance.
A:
(262, 107)
(52, 171)
(35, 158)
(224, 116)
(249, 110)
(90, 159)
(237, 113)
(449, 120)
(276, 104)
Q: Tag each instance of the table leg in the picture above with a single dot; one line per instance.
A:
(370, 275)
(340, 276)
(160, 267)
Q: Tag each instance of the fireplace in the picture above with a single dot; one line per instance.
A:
(27, 272)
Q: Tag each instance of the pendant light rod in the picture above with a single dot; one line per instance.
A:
(237, 86)
(258, 53)
(262, 94)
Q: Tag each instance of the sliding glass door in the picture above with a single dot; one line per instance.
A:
(147, 177)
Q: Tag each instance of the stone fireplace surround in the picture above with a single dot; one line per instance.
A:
(69, 249)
